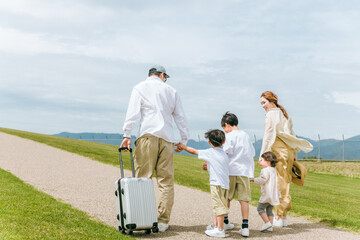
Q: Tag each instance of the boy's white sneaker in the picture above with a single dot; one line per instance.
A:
(210, 227)
(270, 229)
(228, 226)
(215, 233)
(265, 226)
(244, 232)
(163, 227)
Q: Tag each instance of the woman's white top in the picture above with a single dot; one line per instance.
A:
(217, 165)
(276, 125)
(268, 182)
(241, 152)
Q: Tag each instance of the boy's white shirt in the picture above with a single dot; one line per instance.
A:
(218, 166)
(241, 152)
(156, 104)
(268, 182)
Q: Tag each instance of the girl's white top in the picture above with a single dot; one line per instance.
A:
(241, 152)
(156, 104)
(268, 182)
(276, 124)
(217, 165)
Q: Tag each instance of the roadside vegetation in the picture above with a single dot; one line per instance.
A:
(329, 196)
(27, 213)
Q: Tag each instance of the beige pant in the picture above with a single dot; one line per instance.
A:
(219, 198)
(153, 153)
(239, 185)
(285, 156)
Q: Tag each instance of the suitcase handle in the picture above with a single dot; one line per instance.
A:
(121, 162)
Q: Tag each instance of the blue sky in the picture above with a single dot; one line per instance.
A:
(71, 65)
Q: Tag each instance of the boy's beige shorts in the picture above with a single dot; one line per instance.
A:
(240, 185)
(219, 200)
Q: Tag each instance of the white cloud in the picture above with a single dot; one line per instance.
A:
(347, 98)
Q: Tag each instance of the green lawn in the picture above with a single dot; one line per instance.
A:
(326, 198)
(26, 213)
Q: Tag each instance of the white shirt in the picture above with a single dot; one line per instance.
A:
(156, 104)
(268, 182)
(241, 153)
(276, 125)
(218, 166)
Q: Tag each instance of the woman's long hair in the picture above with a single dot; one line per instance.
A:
(271, 97)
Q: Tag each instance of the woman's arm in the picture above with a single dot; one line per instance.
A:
(270, 133)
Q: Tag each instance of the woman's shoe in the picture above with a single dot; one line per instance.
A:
(278, 223)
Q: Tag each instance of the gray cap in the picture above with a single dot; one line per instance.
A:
(158, 68)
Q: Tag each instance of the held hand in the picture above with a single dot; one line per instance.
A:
(126, 143)
(178, 147)
(204, 166)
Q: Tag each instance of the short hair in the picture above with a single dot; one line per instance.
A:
(270, 157)
(151, 72)
(230, 119)
(216, 137)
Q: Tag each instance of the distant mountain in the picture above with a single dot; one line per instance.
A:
(329, 148)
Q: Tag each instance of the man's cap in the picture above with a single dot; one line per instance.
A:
(158, 68)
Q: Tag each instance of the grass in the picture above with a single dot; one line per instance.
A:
(328, 198)
(26, 213)
(349, 169)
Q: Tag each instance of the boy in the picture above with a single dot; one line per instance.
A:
(218, 167)
(241, 154)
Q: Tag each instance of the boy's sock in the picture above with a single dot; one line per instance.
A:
(226, 219)
(245, 223)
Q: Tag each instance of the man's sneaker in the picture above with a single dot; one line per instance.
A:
(270, 229)
(228, 226)
(244, 232)
(215, 233)
(278, 223)
(210, 227)
(265, 226)
(163, 227)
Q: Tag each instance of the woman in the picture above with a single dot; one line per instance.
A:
(280, 138)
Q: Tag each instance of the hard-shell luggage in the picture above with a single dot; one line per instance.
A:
(135, 202)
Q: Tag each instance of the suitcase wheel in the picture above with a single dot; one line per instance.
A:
(148, 231)
(155, 230)
(129, 232)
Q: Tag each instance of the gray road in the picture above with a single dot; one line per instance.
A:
(89, 186)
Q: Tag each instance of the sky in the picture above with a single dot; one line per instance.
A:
(71, 65)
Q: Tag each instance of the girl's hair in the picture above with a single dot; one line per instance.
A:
(270, 157)
(271, 97)
(216, 137)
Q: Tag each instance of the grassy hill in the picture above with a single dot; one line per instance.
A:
(330, 148)
(328, 197)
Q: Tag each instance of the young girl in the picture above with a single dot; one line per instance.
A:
(269, 192)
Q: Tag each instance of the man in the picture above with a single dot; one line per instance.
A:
(156, 104)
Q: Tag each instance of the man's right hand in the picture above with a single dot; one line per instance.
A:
(126, 143)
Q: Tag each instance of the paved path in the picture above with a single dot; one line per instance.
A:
(89, 185)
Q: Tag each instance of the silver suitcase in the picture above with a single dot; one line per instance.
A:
(135, 202)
